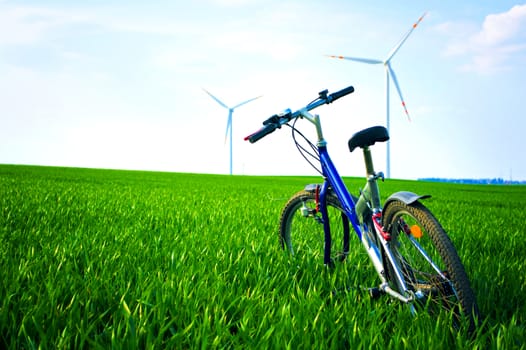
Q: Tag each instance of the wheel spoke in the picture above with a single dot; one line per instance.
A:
(301, 228)
(428, 261)
(425, 255)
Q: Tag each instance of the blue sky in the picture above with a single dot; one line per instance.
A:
(114, 84)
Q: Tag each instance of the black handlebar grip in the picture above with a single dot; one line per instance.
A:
(264, 131)
(336, 95)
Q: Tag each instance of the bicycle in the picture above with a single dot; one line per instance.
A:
(413, 256)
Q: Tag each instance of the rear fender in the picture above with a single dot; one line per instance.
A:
(405, 197)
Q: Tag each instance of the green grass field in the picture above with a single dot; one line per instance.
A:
(105, 258)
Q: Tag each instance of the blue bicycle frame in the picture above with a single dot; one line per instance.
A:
(367, 202)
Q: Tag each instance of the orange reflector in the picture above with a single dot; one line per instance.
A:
(416, 231)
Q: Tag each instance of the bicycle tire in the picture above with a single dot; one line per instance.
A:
(301, 228)
(448, 290)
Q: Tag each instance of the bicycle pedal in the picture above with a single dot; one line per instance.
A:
(375, 293)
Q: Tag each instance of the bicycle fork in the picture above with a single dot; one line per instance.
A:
(321, 201)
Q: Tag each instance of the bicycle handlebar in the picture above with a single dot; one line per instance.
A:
(261, 133)
(336, 95)
(277, 120)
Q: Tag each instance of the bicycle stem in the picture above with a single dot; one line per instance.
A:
(314, 119)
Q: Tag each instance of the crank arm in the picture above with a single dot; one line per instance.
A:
(384, 288)
(388, 290)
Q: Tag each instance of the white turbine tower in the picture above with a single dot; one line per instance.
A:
(229, 121)
(388, 72)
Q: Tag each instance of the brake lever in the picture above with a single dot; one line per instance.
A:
(276, 118)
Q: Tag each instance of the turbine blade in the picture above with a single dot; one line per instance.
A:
(404, 38)
(228, 124)
(393, 76)
(358, 59)
(247, 101)
(215, 98)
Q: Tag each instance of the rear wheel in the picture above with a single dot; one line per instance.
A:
(301, 228)
(430, 265)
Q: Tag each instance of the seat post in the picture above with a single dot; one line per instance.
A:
(371, 192)
(368, 159)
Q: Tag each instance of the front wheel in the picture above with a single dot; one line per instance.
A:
(429, 263)
(301, 230)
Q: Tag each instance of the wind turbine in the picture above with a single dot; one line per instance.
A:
(388, 72)
(229, 121)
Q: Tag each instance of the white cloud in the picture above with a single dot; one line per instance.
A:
(30, 24)
(500, 28)
(231, 3)
(492, 47)
(260, 43)
(25, 25)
